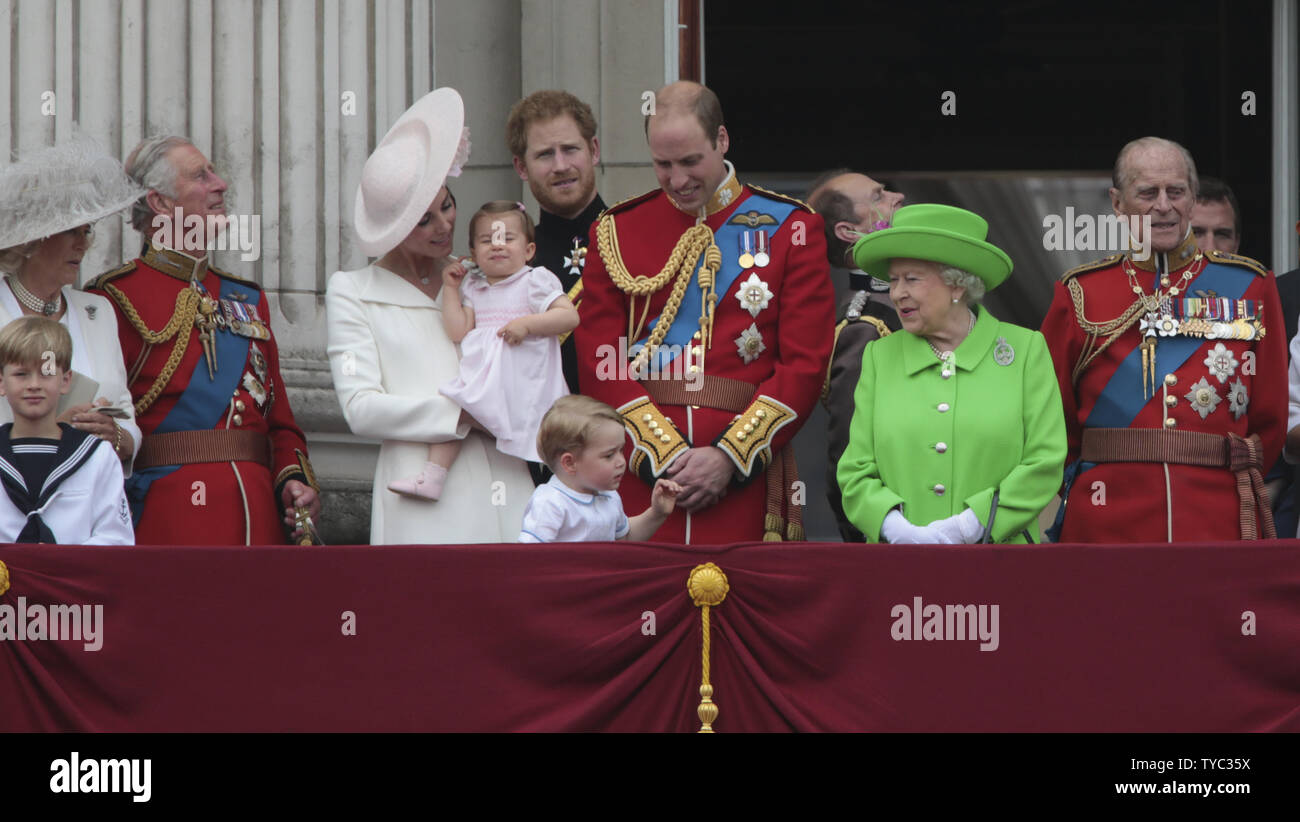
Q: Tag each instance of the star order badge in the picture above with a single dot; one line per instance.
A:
(750, 343)
(576, 259)
(754, 295)
(1003, 353)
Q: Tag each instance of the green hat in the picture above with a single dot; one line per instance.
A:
(937, 233)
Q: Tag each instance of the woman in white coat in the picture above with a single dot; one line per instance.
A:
(48, 202)
(388, 350)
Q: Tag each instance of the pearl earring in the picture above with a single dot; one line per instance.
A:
(954, 300)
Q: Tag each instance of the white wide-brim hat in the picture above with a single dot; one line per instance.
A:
(61, 187)
(426, 145)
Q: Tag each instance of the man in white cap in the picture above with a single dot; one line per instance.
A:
(222, 462)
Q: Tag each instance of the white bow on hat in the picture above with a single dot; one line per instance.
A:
(426, 145)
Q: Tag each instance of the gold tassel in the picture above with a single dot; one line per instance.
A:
(707, 586)
(773, 525)
(1148, 367)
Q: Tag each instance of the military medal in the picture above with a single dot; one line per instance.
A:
(258, 361)
(754, 295)
(255, 388)
(746, 259)
(577, 258)
(761, 257)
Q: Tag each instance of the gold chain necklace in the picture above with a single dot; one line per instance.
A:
(1151, 302)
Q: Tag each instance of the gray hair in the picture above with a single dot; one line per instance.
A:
(13, 258)
(1123, 173)
(958, 278)
(148, 166)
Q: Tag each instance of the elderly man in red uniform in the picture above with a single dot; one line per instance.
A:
(222, 459)
(707, 323)
(1172, 367)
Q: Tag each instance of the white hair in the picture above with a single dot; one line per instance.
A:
(149, 167)
(959, 278)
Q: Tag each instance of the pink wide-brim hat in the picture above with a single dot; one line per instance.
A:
(408, 167)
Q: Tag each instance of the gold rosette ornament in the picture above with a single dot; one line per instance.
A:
(708, 587)
(4, 579)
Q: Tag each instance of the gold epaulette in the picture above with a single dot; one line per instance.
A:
(240, 280)
(108, 276)
(624, 205)
(881, 329)
(776, 195)
(1238, 259)
(749, 438)
(654, 437)
(1104, 262)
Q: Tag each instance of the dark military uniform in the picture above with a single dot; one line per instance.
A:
(864, 314)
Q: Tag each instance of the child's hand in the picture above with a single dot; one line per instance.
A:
(452, 275)
(514, 331)
(664, 496)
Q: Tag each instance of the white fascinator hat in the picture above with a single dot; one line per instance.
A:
(61, 187)
(427, 144)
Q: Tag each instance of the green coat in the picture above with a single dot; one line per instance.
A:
(939, 445)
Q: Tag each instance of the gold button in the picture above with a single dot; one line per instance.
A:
(747, 428)
(647, 418)
(239, 406)
(1171, 400)
(1170, 379)
(695, 369)
(741, 435)
(665, 438)
(659, 432)
(1170, 422)
(760, 413)
(696, 349)
(238, 420)
(753, 420)
(696, 336)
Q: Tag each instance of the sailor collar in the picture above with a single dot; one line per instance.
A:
(725, 195)
(176, 264)
(1168, 261)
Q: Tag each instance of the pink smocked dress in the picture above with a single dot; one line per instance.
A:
(509, 387)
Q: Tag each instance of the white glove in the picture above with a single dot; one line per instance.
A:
(898, 530)
(959, 529)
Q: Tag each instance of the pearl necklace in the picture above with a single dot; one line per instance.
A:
(35, 303)
(946, 355)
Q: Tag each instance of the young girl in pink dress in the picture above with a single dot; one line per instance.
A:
(506, 316)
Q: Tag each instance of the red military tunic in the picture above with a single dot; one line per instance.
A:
(1225, 386)
(206, 503)
(772, 333)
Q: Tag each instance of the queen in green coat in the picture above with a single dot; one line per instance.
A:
(957, 434)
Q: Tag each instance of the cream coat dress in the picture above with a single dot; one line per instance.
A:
(388, 354)
(96, 351)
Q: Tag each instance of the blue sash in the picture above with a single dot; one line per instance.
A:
(202, 403)
(1123, 398)
(727, 238)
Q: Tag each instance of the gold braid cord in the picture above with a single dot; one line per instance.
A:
(4, 579)
(707, 586)
(182, 320)
(696, 241)
(1115, 328)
